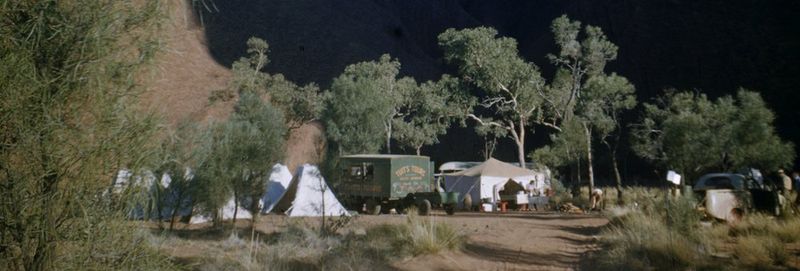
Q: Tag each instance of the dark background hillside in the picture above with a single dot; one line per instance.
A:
(713, 46)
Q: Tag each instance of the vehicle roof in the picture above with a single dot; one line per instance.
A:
(736, 180)
(383, 156)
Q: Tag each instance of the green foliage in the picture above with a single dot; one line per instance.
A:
(692, 134)
(361, 102)
(583, 102)
(603, 100)
(580, 57)
(179, 153)
(512, 88)
(255, 137)
(300, 104)
(426, 111)
(239, 154)
(566, 148)
(67, 72)
(214, 175)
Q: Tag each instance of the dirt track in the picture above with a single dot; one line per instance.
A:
(515, 241)
(510, 241)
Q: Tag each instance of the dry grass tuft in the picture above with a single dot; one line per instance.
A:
(656, 232)
(422, 235)
(300, 247)
(760, 252)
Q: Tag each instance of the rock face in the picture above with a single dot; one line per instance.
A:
(716, 46)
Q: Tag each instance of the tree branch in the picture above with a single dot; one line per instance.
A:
(490, 123)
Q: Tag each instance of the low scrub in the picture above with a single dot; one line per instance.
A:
(422, 235)
(301, 247)
(760, 252)
(787, 231)
(642, 241)
(663, 233)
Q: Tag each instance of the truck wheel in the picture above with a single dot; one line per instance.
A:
(400, 208)
(424, 207)
(373, 207)
(450, 209)
(735, 216)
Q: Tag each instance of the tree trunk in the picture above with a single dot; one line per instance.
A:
(589, 156)
(323, 228)
(254, 210)
(521, 144)
(172, 217)
(617, 176)
(235, 210)
(419, 150)
(389, 137)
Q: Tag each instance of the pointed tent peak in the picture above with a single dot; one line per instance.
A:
(310, 195)
(496, 168)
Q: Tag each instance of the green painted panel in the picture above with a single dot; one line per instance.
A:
(385, 176)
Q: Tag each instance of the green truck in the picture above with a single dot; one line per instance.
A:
(380, 182)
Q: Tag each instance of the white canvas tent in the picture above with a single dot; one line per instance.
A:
(276, 186)
(309, 195)
(230, 208)
(486, 180)
(279, 180)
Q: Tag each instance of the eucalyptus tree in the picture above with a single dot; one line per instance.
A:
(511, 87)
(426, 111)
(255, 138)
(180, 154)
(216, 171)
(358, 116)
(300, 105)
(692, 134)
(604, 99)
(581, 89)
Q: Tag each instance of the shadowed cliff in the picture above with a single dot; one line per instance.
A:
(714, 46)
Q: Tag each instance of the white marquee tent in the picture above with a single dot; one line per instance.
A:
(309, 195)
(484, 181)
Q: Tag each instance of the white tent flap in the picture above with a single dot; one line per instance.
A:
(278, 183)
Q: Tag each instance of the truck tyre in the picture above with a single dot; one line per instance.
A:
(400, 208)
(735, 216)
(373, 207)
(424, 207)
(450, 209)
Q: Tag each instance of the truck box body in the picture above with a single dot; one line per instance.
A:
(385, 176)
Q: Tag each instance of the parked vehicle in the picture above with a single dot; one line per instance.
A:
(381, 182)
(729, 196)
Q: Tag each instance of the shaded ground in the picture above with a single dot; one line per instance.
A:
(513, 241)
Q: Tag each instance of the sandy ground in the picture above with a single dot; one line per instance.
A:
(509, 241)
